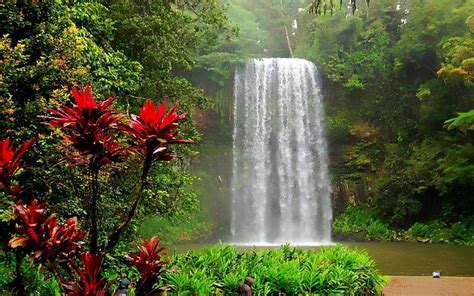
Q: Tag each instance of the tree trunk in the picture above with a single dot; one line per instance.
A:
(288, 41)
(114, 238)
(19, 284)
(92, 211)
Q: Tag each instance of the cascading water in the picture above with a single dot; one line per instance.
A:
(280, 183)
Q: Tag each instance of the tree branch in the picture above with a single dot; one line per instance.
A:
(113, 238)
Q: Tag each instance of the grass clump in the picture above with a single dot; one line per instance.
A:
(222, 268)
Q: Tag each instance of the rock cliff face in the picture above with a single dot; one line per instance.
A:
(348, 192)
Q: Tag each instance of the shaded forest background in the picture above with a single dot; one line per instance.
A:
(392, 73)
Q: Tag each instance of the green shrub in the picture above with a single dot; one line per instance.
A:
(437, 231)
(360, 220)
(357, 220)
(353, 219)
(457, 232)
(421, 230)
(37, 281)
(379, 231)
(331, 270)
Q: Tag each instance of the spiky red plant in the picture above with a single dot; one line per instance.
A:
(10, 160)
(153, 130)
(149, 263)
(87, 125)
(65, 241)
(90, 282)
(40, 233)
(34, 228)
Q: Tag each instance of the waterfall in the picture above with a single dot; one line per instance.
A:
(280, 189)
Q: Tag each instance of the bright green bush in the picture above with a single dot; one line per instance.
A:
(458, 232)
(422, 230)
(379, 231)
(360, 220)
(329, 271)
(353, 219)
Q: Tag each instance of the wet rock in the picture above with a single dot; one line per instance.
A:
(424, 240)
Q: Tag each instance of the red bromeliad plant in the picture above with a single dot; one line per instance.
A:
(53, 244)
(149, 263)
(88, 126)
(35, 229)
(10, 161)
(58, 247)
(41, 234)
(152, 131)
(90, 283)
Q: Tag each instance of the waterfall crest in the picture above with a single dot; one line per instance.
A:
(280, 189)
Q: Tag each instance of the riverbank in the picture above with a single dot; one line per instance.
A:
(361, 224)
(424, 285)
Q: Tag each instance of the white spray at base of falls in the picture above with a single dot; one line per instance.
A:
(280, 184)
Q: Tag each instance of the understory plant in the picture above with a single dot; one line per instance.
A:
(149, 264)
(360, 221)
(94, 130)
(363, 224)
(292, 271)
(437, 231)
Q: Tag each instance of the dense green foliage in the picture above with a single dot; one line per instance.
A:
(398, 78)
(331, 270)
(37, 282)
(437, 231)
(362, 224)
(360, 221)
(48, 47)
(394, 74)
(175, 229)
(167, 37)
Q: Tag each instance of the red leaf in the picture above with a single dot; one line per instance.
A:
(18, 242)
(90, 283)
(88, 126)
(43, 236)
(10, 159)
(151, 131)
(149, 262)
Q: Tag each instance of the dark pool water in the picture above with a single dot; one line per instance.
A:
(404, 258)
(419, 258)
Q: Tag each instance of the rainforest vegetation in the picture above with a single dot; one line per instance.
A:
(396, 75)
(88, 162)
(398, 92)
